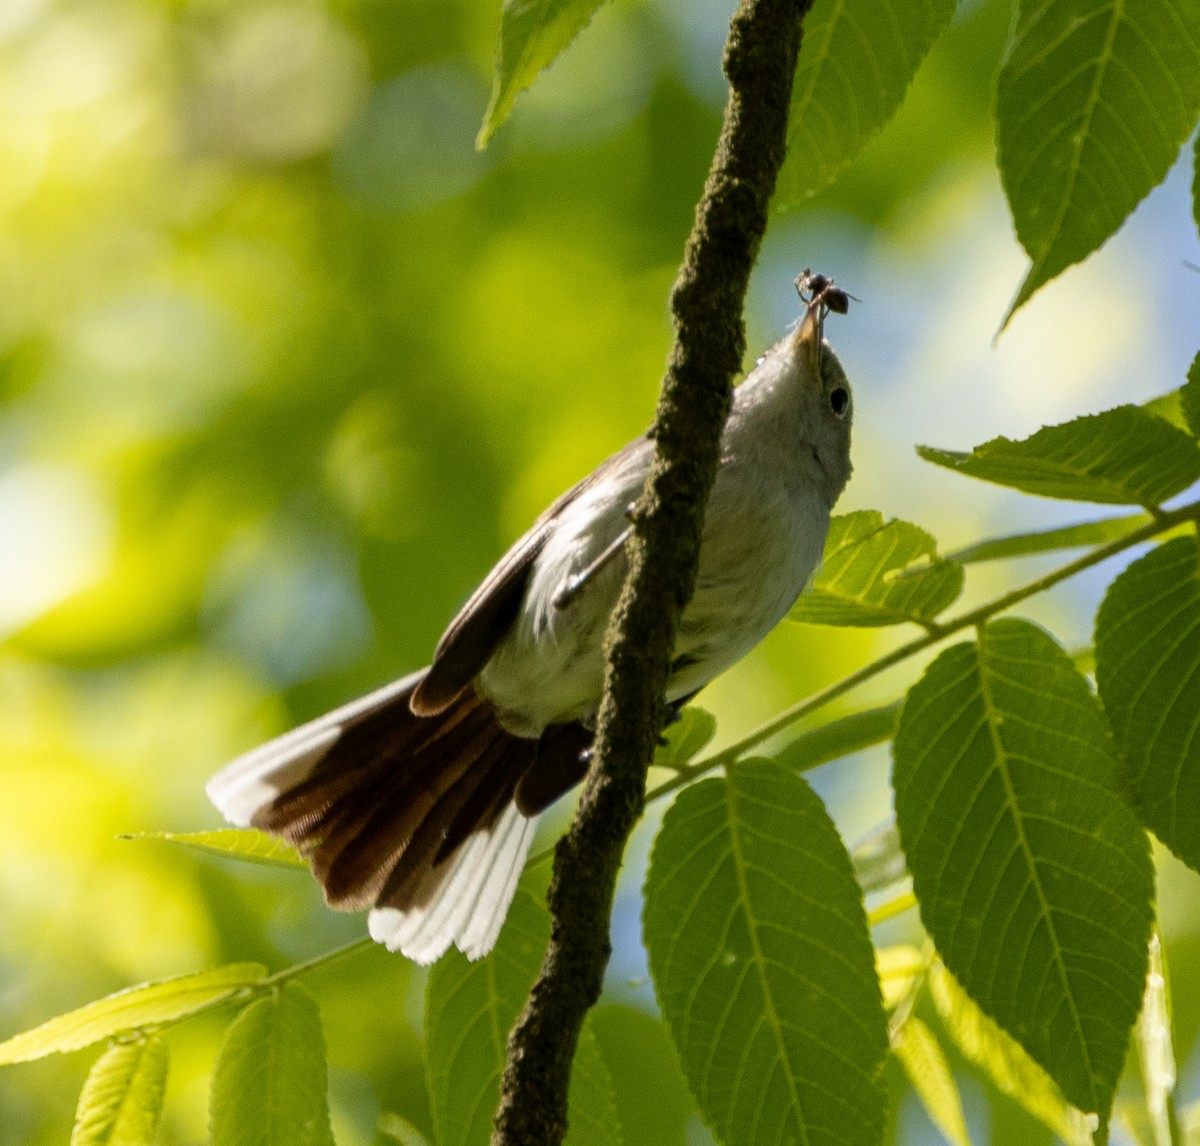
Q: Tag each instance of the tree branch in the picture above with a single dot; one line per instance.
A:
(760, 62)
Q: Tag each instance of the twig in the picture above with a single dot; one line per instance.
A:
(760, 61)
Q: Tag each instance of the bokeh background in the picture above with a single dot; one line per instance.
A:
(285, 364)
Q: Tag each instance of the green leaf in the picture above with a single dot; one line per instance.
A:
(1001, 1058)
(687, 737)
(1148, 674)
(592, 1107)
(1196, 185)
(1120, 457)
(762, 962)
(1156, 1054)
(1189, 395)
(878, 573)
(1093, 102)
(147, 1005)
(840, 737)
(122, 1098)
(856, 62)
(1168, 407)
(1033, 876)
(399, 1129)
(919, 1052)
(1047, 540)
(642, 1062)
(532, 33)
(898, 967)
(470, 1009)
(269, 1083)
(245, 844)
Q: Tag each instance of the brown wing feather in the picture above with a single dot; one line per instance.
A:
(481, 624)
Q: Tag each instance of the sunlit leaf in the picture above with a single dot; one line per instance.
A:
(1048, 540)
(1169, 407)
(1190, 1123)
(839, 738)
(470, 1008)
(132, 1009)
(532, 33)
(1156, 1055)
(898, 968)
(890, 908)
(857, 60)
(762, 962)
(122, 1098)
(399, 1129)
(1148, 674)
(878, 573)
(1189, 395)
(1121, 457)
(687, 737)
(1033, 876)
(919, 1052)
(1001, 1058)
(232, 843)
(878, 859)
(1093, 102)
(269, 1083)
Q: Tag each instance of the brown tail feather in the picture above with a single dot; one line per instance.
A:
(402, 832)
(396, 794)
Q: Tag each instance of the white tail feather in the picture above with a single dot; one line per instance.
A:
(469, 907)
(246, 785)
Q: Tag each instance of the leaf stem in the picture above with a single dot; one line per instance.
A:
(325, 957)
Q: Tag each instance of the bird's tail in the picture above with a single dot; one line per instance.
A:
(427, 819)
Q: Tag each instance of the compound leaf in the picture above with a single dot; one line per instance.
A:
(840, 737)
(123, 1096)
(532, 33)
(1093, 102)
(470, 1008)
(1033, 876)
(1190, 395)
(270, 1083)
(919, 1052)
(1124, 456)
(244, 844)
(1148, 675)
(878, 573)
(1049, 540)
(856, 62)
(144, 1006)
(1001, 1058)
(691, 733)
(763, 965)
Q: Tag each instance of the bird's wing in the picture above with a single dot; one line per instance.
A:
(482, 623)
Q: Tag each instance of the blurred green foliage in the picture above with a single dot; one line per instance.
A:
(284, 364)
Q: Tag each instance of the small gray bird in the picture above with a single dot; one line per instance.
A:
(420, 800)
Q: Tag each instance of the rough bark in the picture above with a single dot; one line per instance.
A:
(706, 302)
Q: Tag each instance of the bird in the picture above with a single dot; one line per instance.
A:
(420, 800)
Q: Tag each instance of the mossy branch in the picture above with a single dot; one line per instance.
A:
(707, 300)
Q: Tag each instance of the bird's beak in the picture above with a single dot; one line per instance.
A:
(808, 339)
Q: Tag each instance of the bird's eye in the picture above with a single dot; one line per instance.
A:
(839, 401)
